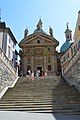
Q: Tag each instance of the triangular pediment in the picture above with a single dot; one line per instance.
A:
(38, 38)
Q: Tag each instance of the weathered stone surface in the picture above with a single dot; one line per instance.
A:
(73, 75)
(50, 94)
(7, 72)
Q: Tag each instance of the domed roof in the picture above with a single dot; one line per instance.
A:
(65, 46)
(37, 31)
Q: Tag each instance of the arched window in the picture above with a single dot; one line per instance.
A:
(38, 41)
(67, 37)
(49, 67)
(49, 60)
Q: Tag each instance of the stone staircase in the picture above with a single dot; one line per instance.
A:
(49, 95)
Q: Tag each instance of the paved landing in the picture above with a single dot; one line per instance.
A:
(11, 115)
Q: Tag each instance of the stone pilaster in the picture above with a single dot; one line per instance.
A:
(32, 63)
(24, 64)
(54, 64)
(56, 69)
(45, 63)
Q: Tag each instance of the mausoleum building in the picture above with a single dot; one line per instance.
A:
(38, 51)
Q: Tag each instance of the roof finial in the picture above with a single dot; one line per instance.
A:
(67, 25)
(0, 15)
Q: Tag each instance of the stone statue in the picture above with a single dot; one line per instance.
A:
(67, 25)
(26, 32)
(39, 25)
(50, 31)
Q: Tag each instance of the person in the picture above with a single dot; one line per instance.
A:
(45, 73)
(42, 73)
(35, 73)
(38, 73)
(32, 76)
(21, 74)
(28, 73)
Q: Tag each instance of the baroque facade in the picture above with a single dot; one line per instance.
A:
(39, 51)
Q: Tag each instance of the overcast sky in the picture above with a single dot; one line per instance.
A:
(19, 14)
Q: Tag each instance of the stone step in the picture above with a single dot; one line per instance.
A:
(30, 97)
(25, 105)
(26, 101)
(29, 94)
(41, 95)
(45, 109)
(26, 91)
(55, 98)
(27, 109)
(20, 90)
(39, 102)
(58, 106)
(44, 90)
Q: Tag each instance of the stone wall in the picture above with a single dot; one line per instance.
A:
(73, 75)
(7, 72)
(70, 64)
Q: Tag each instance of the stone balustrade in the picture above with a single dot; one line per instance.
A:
(7, 72)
